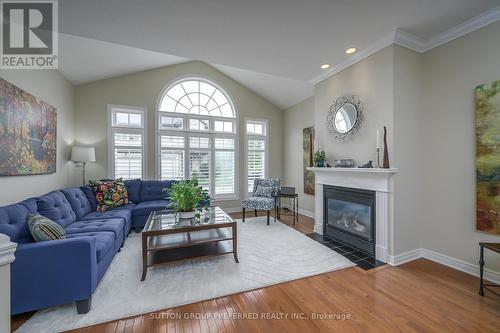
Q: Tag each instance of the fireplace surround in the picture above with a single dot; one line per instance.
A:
(380, 181)
(349, 217)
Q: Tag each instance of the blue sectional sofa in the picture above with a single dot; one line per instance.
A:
(55, 272)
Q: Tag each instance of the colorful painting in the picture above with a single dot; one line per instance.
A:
(308, 143)
(488, 157)
(28, 138)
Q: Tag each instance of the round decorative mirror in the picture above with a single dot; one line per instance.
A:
(344, 117)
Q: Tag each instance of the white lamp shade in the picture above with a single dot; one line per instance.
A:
(83, 154)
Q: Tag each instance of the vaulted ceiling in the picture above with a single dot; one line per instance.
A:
(274, 47)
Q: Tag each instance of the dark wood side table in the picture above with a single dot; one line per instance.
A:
(295, 205)
(495, 247)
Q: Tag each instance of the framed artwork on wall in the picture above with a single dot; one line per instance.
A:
(488, 157)
(308, 147)
(28, 133)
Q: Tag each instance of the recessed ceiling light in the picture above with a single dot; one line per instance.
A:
(325, 66)
(350, 50)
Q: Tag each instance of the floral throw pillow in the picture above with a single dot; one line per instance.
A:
(263, 191)
(109, 193)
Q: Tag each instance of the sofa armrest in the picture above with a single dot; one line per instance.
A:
(53, 272)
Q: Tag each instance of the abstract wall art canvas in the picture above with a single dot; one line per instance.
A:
(308, 143)
(28, 138)
(488, 157)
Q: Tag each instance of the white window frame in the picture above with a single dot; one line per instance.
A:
(211, 133)
(266, 153)
(112, 129)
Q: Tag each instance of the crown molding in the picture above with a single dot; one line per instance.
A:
(464, 28)
(412, 42)
(409, 41)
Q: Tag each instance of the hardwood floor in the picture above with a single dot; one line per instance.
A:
(420, 296)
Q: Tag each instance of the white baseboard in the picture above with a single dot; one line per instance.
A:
(404, 257)
(443, 259)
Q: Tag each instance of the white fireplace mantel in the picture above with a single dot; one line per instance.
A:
(377, 180)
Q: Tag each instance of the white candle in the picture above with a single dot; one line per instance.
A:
(378, 138)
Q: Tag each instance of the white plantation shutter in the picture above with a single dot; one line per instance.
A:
(224, 166)
(172, 156)
(127, 146)
(172, 164)
(199, 167)
(256, 163)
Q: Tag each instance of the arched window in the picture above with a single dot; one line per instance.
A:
(197, 136)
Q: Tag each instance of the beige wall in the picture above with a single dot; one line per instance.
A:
(407, 149)
(142, 89)
(372, 81)
(51, 87)
(297, 118)
(451, 72)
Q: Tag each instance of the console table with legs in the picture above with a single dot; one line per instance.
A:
(495, 247)
(294, 208)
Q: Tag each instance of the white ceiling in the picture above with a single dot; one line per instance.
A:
(274, 47)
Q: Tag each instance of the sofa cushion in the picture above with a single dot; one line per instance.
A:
(90, 195)
(56, 207)
(122, 214)
(113, 225)
(78, 201)
(146, 207)
(130, 207)
(44, 229)
(105, 241)
(109, 193)
(14, 220)
(153, 190)
(133, 188)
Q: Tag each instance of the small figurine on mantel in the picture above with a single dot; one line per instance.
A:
(367, 165)
(386, 164)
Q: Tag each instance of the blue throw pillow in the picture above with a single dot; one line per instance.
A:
(44, 229)
(264, 191)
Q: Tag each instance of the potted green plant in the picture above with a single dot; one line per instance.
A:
(185, 196)
(319, 158)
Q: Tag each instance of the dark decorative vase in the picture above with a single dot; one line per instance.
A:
(320, 164)
(386, 164)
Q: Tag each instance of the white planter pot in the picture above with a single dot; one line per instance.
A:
(187, 215)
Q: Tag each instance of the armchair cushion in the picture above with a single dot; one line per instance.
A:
(263, 191)
(260, 203)
(272, 182)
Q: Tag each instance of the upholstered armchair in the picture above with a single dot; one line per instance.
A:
(263, 197)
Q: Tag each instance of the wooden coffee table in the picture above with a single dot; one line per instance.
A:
(165, 238)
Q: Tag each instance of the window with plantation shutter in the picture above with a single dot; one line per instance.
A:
(127, 144)
(197, 136)
(256, 151)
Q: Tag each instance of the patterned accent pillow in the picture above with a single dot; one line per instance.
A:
(264, 191)
(109, 193)
(44, 229)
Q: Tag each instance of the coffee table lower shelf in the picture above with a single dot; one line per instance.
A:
(164, 256)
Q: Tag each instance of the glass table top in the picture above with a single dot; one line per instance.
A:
(168, 220)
